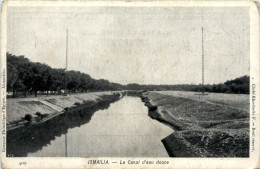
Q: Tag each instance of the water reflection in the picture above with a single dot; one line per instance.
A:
(122, 130)
(29, 139)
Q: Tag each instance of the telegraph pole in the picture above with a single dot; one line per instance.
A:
(202, 53)
(67, 41)
(66, 64)
(65, 91)
(202, 60)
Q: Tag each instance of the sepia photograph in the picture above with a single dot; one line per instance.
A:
(134, 81)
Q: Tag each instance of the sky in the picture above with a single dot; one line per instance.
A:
(135, 45)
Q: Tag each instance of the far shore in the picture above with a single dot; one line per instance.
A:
(47, 106)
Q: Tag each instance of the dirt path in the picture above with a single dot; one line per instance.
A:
(236, 101)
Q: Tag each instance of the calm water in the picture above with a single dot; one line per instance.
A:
(122, 130)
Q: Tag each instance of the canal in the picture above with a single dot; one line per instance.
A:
(124, 129)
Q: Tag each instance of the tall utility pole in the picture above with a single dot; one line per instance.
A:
(202, 53)
(66, 64)
(202, 60)
(66, 67)
(67, 41)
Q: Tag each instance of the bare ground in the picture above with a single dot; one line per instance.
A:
(215, 125)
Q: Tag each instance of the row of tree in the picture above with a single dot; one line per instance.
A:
(239, 85)
(25, 77)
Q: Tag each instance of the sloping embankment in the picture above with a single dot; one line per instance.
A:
(49, 107)
(31, 138)
(202, 129)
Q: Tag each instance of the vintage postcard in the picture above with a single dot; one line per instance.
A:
(130, 84)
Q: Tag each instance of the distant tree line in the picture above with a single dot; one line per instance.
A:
(25, 77)
(29, 77)
(239, 85)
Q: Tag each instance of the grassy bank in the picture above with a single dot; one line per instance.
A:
(204, 125)
(48, 107)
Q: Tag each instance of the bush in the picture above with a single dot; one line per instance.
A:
(38, 113)
(77, 103)
(152, 108)
(28, 117)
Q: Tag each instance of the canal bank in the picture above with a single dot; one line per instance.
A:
(203, 127)
(29, 111)
(36, 134)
